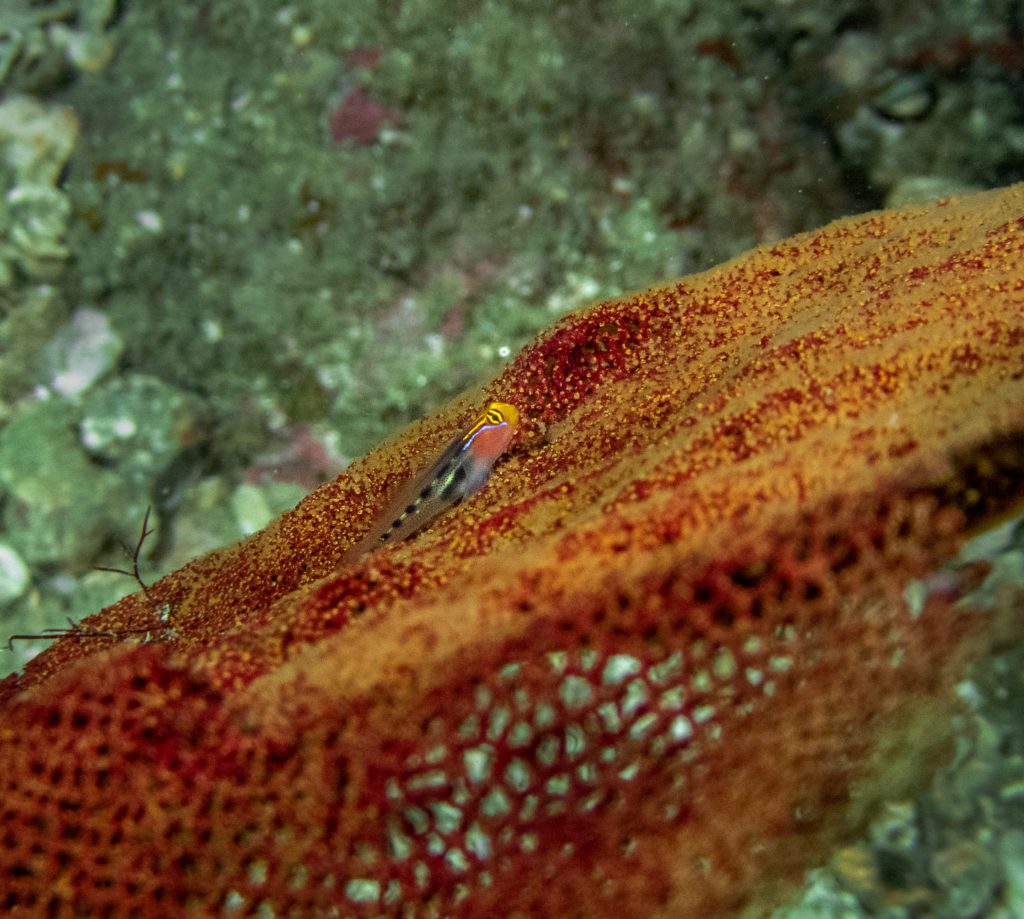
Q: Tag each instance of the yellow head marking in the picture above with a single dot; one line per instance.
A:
(495, 413)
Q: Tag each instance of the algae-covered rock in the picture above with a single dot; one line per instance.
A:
(35, 142)
(58, 504)
(139, 425)
(28, 316)
(14, 573)
(41, 42)
(81, 352)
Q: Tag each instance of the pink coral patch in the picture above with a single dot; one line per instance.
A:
(357, 119)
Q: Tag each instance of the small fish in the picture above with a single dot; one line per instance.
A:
(462, 469)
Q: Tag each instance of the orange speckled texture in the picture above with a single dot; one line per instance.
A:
(649, 670)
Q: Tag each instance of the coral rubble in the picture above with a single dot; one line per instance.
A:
(655, 664)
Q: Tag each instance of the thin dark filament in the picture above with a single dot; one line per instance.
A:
(134, 555)
(73, 629)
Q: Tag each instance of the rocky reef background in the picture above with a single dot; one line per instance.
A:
(240, 242)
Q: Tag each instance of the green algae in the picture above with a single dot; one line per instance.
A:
(392, 274)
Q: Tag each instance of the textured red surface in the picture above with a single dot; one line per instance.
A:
(661, 659)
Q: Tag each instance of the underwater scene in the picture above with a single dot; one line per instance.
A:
(512, 459)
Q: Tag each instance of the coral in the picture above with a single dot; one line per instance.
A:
(658, 662)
